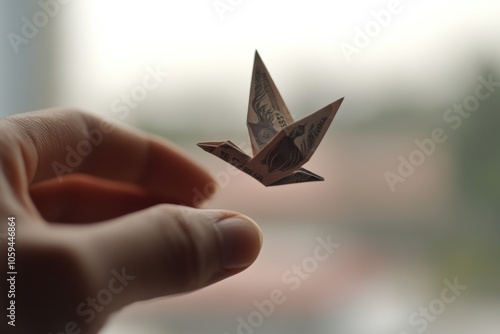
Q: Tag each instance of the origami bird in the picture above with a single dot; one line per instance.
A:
(280, 146)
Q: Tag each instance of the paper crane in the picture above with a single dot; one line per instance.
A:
(280, 146)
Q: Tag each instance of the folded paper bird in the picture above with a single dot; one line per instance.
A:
(280, 146)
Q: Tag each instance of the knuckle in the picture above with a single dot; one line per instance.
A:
(179, 239)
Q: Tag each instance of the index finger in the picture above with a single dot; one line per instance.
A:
(55, 142)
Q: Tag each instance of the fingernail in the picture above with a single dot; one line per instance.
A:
(241, 241)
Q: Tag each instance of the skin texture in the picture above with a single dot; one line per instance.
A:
(125, 209)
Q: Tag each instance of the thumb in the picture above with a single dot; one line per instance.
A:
(170, 249)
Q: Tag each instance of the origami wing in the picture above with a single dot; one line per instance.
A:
(293, 146)
(267, 112)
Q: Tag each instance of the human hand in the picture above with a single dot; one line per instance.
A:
(95, 241)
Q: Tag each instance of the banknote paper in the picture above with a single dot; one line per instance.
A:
(280, 146)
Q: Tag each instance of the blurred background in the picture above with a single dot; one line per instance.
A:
(400, 65)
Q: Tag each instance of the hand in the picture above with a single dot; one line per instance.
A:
(90, 237)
